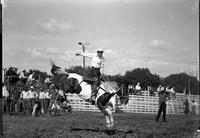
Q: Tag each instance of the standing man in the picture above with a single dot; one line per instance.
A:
(5, 95)
(97, 61)
(163, 97)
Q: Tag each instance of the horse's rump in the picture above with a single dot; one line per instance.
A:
(110, 86)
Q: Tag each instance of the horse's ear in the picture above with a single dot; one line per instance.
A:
(51, 62)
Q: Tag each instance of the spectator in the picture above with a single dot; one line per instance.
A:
(54, 95)
(151, 91)
(196, 108)
(168, 89)
(25, 100)
(5, 95)
(22, 75)
(159, 88)
(47, 98)
(163, 97)
(41, 97)
(173, 93)
(30, 77)
(186, 105)
(32, 95)
(138, 89)
(193, 107)
(130, 88)
(61, 97)
(47, 80)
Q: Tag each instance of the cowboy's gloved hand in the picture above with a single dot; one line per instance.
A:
(78, 54)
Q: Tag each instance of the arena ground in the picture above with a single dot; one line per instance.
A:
(91, 124)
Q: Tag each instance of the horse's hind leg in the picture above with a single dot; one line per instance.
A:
(109, 118)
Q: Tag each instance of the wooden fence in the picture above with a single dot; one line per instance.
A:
(138, 104)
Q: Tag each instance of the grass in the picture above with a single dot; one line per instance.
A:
(90, 124)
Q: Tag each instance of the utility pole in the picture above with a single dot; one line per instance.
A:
(4, 72)
(83, 48)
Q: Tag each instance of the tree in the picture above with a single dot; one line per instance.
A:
(143, 76)
(181, 81)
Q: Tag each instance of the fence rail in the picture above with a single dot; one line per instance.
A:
(138, 104)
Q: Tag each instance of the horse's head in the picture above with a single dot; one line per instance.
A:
(123, 96)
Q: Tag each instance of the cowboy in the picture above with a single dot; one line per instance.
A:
(163, 97)
(97, 62)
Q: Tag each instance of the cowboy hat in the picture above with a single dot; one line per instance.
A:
(99, 50)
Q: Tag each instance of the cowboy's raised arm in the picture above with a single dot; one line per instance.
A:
(88, 55)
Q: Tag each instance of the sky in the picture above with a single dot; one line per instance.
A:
(162, 35)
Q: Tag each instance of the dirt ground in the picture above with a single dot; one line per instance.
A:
(92, 125)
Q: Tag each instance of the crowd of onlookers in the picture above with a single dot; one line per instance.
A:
(23, 100)
(137, 90)
(32, 96)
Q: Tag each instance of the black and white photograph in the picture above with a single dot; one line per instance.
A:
(100, 69)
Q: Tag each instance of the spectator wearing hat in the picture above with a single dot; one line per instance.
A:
(163, 97)
(97, 62)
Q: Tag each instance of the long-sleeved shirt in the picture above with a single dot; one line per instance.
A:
(162, 97)
(96, 62)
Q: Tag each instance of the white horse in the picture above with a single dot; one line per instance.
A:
(75, 83)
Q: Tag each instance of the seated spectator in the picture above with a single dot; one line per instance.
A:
(22, 75)
(173, 93)
(138, 89)
(159, 88)
(30, 77)
(151, 91)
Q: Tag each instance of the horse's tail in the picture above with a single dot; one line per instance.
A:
(56, 70)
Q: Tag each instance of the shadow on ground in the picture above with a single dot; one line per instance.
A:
(106, 131)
